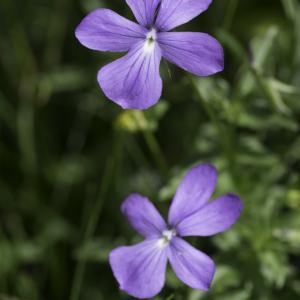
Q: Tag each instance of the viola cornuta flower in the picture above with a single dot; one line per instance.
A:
(133, 81)
(140, 269)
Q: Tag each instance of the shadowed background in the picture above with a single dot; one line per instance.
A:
(69, 156)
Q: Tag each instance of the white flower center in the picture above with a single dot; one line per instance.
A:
(150, 40)
(166, 238)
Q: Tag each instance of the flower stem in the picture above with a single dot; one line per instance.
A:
(91, 227)
(231, 10)
(152, 143)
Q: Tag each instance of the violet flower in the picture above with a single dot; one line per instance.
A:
(140, 269)
(133, 81)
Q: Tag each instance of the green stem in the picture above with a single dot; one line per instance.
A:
(134, 150)
(152, 143)
(27, 64)
(231, 10)
(57, 29)
(171, 297)
(91, 227)
(155, 150)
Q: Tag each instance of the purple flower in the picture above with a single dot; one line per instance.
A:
(133, 81)
(140, 269)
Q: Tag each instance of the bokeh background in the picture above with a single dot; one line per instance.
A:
(69, 156)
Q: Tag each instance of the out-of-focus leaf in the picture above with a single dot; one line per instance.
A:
(53, 231)
(293, 198)
(8, 261)
(196, 295)
(70, 170)
(168, 191)
(64, 79)
(244, 294)
(272, 94)
(89, 5)
(28, 252)
(274, 268)
(234, 45)
(290, 7)
(227, 241)
(262, 47)
(7, 114)
(290, 237)
(96, 250)
(283, 87)
(225, 278)
(26, 287)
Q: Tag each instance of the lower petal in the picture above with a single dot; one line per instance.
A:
(195, 52)
(191, 266)
(133, 81)
(140, 269)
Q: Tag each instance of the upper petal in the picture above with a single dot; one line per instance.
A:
(144, 10)
(212, 218)
(105, 30)
(143, 216)
(173, 13)
(195, 52)
(193, 192)
(192, 266)
(133, 81)
(140, 269)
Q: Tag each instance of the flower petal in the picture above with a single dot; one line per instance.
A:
(212, 218)
(195, 52)
(140, 269)
(173, 13)
(144, 10)
(105, 30)
(133, 81)
(192, 266)
(193, 192)
(143, 216)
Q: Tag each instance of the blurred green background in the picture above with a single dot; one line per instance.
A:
(68, 156)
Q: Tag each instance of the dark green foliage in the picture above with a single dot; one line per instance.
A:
(68, 156)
